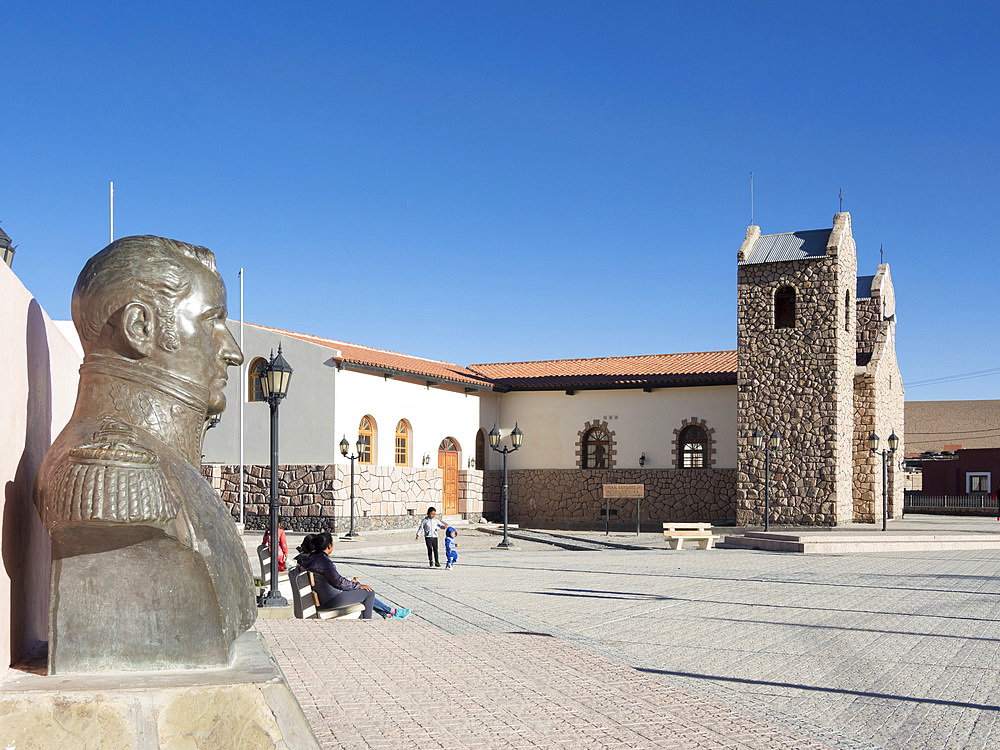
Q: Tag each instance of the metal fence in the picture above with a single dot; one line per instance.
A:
(915, 500)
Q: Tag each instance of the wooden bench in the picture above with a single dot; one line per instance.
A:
(305, 603)
(677, 533)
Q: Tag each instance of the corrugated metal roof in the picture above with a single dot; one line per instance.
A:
(864, 287)
(773, 248)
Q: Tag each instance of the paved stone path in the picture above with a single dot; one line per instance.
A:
(384, 684)
(891, 650)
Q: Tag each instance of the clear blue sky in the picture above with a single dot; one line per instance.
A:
(485, 181)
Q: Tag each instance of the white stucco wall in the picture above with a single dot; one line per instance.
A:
(39, 392)
(642, 422)
(306, 416)
(325, 404)
(433, 414)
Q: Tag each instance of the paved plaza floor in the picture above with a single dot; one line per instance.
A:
(650, 648)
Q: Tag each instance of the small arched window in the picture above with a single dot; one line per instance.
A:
(402, 443)
(449, 444)
(847, 310)
(254, 373)
(480, 450)
(784, 307)
(694, 447)
(366, 434)
(596, 449)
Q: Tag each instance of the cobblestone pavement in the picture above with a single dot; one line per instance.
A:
(408, 685)
(890, 650)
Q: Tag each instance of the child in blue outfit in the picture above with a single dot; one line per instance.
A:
(450, 547)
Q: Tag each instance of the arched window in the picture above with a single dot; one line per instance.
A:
(784, 307)
(847, 310)
(596, 449)
(480, 450)
(449, 444)
(254, 373)
(694, 447)
(402, 443)
(366, 434)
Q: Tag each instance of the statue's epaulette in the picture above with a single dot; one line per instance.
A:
(112, 478)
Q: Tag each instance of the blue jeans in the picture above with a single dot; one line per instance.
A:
(381, 607)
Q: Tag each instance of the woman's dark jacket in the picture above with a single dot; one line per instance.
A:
(327, 579)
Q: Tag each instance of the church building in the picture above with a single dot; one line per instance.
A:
(815, 365)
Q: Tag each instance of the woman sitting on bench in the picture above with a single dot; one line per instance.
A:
(332, 588)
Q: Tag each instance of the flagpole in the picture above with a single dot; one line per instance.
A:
(112, 210)
(243, 385)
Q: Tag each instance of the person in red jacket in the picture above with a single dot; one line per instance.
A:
(282, 544)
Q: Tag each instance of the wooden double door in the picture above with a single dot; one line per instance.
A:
(448, 456)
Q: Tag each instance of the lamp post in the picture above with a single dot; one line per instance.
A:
(515, 438)
(344, 448)
(893, 445)
(274, 384)
(773, 443)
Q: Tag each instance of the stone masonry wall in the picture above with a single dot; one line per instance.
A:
(470, 493)
(317, 497)
(869, 317)
(889, 396)
(879, 408)
(574, 498)
(799, 380)
(846, 285)
(864, 459)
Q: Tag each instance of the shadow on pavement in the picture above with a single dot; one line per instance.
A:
(880, 631)
(816, 688)
(583, 593)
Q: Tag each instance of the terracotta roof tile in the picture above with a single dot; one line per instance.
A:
(382, 359)
(660, 370)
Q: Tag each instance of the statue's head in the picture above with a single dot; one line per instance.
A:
(160, 302)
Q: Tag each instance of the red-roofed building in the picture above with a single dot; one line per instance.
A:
(816, 362)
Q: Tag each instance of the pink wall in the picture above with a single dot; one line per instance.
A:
(37, 397)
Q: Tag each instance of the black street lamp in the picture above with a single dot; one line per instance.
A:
(344, 448)
(515, 438)
(274, 387)
(893, 445)
(773, 443)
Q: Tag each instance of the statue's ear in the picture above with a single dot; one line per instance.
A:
(137, 327)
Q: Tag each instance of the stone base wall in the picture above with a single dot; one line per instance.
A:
(334, 524)
(316, 497)
(573, 497)
(470, 493)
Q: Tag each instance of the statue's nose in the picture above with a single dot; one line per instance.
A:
(231, 353)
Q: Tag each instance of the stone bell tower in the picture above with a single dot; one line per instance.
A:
(796, 362)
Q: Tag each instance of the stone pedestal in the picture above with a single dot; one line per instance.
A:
(247, 705)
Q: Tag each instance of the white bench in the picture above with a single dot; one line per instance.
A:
(284, 585)
(305, 603)
(677, 533)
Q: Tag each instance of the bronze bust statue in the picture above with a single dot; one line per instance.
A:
(148, 570)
